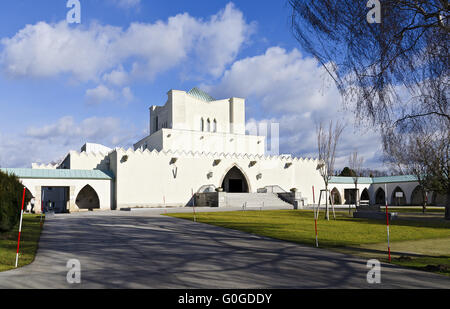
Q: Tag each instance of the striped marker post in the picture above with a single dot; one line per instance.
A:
(20, 228)
(315, 218)
(387, 223)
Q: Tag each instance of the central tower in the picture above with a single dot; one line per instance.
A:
(195, 121)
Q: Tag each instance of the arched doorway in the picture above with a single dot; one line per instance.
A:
(416, 196)
(438, 199)
(235, 181)
(398, 197)
(365, 195)
(87, 198)
(380, 197)
(336, 196)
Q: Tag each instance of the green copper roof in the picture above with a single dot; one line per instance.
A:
(368, 180)
(58, 174)
(400, 178)
(201, 95)
(340, 179)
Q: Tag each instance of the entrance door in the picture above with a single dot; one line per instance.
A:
(235, 181)
(235, 185)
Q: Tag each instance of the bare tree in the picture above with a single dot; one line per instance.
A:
(356, 163)
(421, 149)
(393, 74)
(327, 141)
(373, 63)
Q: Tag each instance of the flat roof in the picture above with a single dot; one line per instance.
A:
(58, 173)
(373, 180)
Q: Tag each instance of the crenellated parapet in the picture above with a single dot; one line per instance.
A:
(38, 166)
(215, 155)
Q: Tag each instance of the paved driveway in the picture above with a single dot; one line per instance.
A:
(145, 250)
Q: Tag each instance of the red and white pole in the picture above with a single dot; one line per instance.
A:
(387, 223)
(20, 227)
(315, 217)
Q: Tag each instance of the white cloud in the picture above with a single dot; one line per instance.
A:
(51, 142)
(89, 53)
(99, 95)
(295, 92)
(116, 77)
(127, 3)
(44, 50)
(127, 94)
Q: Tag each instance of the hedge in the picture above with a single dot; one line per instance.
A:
(11, 191)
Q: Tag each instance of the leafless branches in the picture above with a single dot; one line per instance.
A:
(327, 140)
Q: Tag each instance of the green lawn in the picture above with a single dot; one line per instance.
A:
(415, 209)
(31, 232)
(360, 237)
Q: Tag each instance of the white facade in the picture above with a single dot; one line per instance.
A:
(196, 144)
(193, 121)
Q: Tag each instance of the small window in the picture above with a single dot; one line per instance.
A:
(208, 125)
(202, 125)
(215, 125)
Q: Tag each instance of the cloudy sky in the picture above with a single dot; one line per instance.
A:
(63, 84)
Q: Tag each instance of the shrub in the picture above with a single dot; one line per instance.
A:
(11, 191)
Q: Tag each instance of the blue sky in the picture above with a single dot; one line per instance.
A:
(62, 85)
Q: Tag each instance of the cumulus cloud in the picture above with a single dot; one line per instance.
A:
(294, 91)
(51, 142)
(127, 3)
(89, 53)
(100, 94)
(127, 95)
(118, 77)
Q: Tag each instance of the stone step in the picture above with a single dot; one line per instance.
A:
(254, 200)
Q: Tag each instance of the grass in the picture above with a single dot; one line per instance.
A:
(418, 209)
(416, 242)
(31, 232)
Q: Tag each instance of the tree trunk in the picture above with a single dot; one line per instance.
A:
(447, 205)
(327, 214)
(424, 199)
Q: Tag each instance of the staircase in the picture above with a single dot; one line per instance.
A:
(255, 200)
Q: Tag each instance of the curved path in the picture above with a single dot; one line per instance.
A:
(142, 249)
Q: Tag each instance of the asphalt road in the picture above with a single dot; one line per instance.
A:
(142, 249)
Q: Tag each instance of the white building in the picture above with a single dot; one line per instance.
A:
(197, 152)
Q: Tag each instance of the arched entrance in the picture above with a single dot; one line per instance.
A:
(365, 195)
(438, 199)
(416, 196)
(235, 181)
(336, 196)
(398, 197)
(87, 198)
(380, 197)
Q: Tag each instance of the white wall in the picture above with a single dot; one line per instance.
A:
(147, 178)
(181, 140)
(87, 161)
(102, 187)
